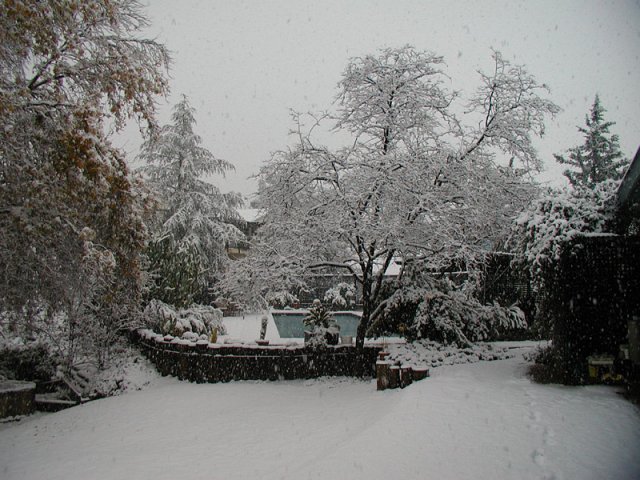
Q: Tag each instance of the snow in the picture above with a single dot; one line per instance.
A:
(15, 386)
(599, 234)
(483, 420)
(248, 328)
(432, 354)
(253, 215)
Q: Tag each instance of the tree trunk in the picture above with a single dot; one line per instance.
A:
(363, 326)
(361, 331)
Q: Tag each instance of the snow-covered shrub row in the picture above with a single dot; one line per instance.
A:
(281, 299)
(454, 317)
(342, 296)
(190, 323)
(443, 313)
(434, 354)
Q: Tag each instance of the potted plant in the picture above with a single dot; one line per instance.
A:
(263, 331)
(322, 329)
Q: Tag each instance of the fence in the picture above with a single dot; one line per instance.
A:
(594, 296)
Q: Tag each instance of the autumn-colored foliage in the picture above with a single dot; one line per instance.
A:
(70, 213)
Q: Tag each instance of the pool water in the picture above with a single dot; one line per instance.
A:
(290, 325)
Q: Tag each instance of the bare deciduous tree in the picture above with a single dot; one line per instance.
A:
(415, 185)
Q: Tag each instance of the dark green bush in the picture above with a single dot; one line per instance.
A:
(31, 362)
(547, 367)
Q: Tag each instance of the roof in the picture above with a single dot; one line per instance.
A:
(628, 195)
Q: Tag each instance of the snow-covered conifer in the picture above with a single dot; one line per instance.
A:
(195, 221)
(599, 158)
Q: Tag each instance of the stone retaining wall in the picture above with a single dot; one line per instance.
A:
(17, 398)
(206, 362)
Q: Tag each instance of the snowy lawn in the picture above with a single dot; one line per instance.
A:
(473, 421)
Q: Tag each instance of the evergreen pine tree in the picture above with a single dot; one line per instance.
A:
(599, 158)
(194, 221)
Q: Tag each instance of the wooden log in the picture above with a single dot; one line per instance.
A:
(394, 376)
(382, 374)
(419, 373)
(405, 376)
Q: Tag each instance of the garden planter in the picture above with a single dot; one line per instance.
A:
(382, 374)
(332, 338)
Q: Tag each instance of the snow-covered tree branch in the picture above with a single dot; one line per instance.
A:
(540, 233)
(72, 222)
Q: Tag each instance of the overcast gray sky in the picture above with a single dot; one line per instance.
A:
(245, 63)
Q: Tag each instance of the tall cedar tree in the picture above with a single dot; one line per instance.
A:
(195, 221)
(599, 158)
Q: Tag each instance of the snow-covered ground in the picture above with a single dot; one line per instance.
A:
(247, 328)
(474, 421)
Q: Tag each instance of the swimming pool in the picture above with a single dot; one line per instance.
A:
(290, 325)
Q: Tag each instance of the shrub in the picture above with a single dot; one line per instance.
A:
(456, 317)
(197, 319)
(27, 362)
(281, 299)
(547, 366)
(322, 325)
(342, 296)
(444, 313)
(541, 233)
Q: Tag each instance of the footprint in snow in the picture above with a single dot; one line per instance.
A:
(538, 457)
(549, 436)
